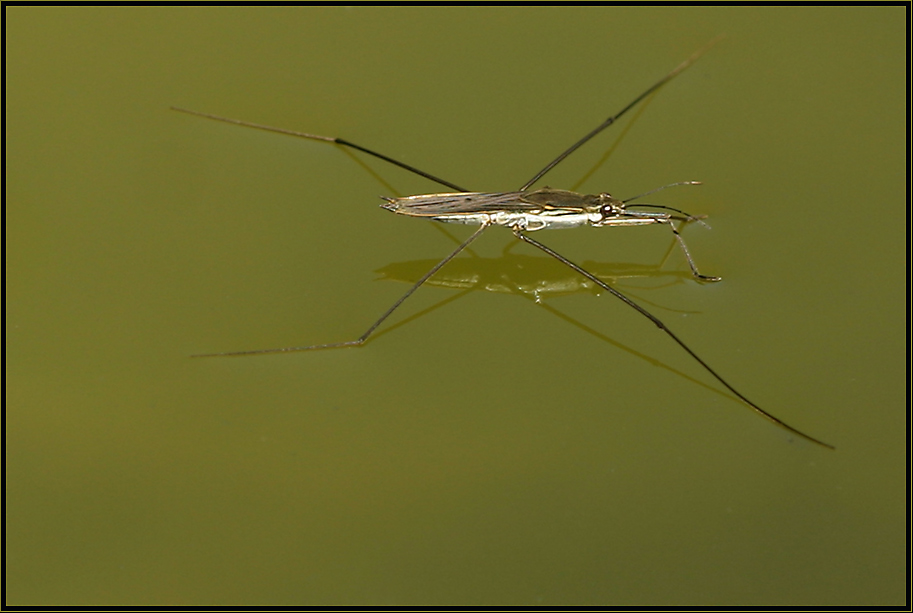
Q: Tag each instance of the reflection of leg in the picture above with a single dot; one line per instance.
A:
(507, 248)
(425, 311)
(637, 354)
(361, 339)
(440, 228)
(681, 243)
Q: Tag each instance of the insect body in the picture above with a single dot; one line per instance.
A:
(524, 211)
(542, 209)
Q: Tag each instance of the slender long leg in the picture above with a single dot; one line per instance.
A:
(328, 139)
(605, 124)
(681, 243)
(519, 234)
(364, 337)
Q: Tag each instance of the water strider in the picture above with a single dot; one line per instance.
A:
(524, 211)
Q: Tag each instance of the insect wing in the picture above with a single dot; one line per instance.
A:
(469, 203)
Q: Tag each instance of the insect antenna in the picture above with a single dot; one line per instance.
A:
(659, 189)
(688, 217)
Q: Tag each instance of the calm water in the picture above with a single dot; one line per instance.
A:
(488, 449)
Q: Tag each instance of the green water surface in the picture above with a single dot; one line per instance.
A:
(484, 448)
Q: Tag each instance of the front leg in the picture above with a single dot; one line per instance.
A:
(681, 243)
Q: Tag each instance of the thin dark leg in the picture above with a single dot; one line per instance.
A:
(361, 339)
(328, 139)
(605, 124)
(519, 234)
(681, 243)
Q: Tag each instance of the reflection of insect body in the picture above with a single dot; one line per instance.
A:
(530, 276)
(500, 274)
(525, 211)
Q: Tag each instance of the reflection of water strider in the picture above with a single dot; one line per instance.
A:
(526, 211)
(535, 277)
